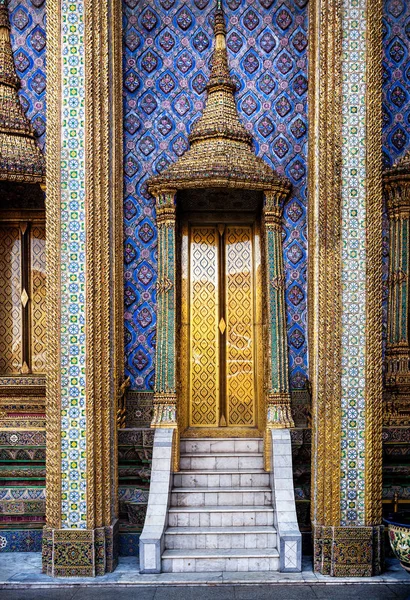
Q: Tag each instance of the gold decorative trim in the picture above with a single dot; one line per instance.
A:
(324, 286)
(374, 210)
(53, 261)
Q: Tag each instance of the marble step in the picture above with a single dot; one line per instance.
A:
(194, 538)
(221, 497)
(220, 516)
(198, 561)
(218, 446)
(221, 461)
(203, 479)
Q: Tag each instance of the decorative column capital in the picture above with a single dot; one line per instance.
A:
(397, 192)
(165, 206)
(274, 201)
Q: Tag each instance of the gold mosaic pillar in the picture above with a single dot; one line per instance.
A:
(84, 284)
(165, 396)
(397, 191)
(278, 405)
(345, 242)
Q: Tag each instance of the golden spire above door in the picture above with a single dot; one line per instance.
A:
(221, 152)
(21, 158)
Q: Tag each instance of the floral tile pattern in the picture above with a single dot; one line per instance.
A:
(73, 244)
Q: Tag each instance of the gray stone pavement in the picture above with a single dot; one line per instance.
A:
(225, 592)
(21, 579)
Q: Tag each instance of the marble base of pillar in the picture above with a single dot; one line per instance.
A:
(348, 551)
(279, 411)
(165, 410)
(80, 552)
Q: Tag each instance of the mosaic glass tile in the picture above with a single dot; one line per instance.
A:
(21, 540)
(166, 66)
(73, 238)
(353, 261)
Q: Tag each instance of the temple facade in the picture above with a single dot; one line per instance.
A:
(204, 264)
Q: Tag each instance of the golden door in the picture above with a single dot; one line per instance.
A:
(220, 325)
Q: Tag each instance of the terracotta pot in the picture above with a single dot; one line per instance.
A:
(399, 536)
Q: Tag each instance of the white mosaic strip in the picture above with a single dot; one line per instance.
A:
(353, 261)
(73, 400)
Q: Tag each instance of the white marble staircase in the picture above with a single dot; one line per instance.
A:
(220, 516)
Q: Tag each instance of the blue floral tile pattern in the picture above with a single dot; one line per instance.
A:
(28, 36)
(73, 384)
(353, 261)
(167, 46)
(21, 540)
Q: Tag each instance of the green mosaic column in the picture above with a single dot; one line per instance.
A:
(397, 189)
(279, 413)
(345, 285)
(84, 285)
(165, 397)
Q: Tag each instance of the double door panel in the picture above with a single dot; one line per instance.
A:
(220, 325)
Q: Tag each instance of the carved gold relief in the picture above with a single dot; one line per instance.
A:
(220, 327)
(204, 321)
(10, 290)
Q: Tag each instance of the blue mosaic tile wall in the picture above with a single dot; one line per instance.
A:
(396, 104)
(396, 79)
(167, 46)
(30, 540)
(28, 37)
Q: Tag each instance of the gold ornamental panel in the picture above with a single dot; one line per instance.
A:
(10, 300)
(204, 336)
(239, 312)
(38, 298)
(220, 326)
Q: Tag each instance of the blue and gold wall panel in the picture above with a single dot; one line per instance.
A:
(28, 30)
(167, 47)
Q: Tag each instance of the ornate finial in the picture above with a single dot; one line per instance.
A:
(221, 153)
(20, 158)
(220, 68)
(220, 117)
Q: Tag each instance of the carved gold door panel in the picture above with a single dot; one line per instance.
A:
(219, 325)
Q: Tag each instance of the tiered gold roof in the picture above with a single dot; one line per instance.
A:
(221, 152)
(20, 158)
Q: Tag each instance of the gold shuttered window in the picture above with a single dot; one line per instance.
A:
(22, 298)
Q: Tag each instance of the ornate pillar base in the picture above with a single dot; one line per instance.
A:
(80, 552)
(165, 410)
(348, 551)
(279, 412)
